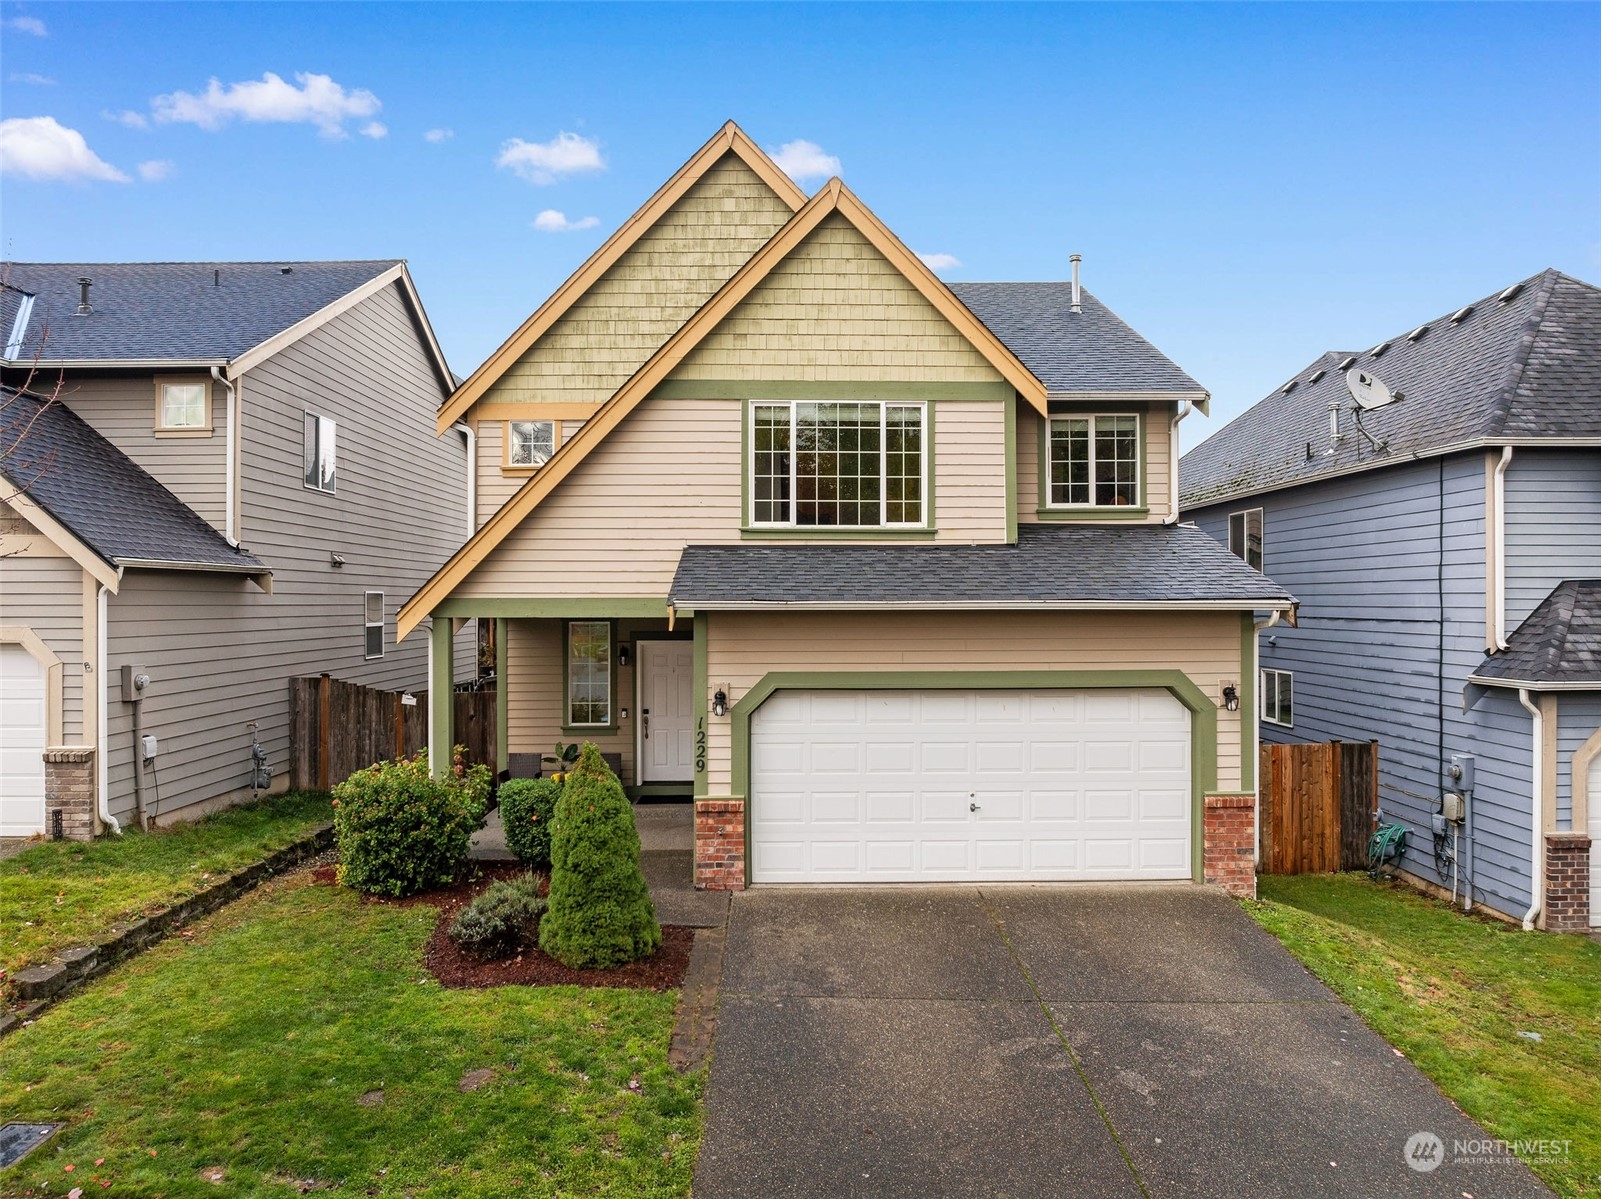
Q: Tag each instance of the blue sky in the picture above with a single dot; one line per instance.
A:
(1248, 185)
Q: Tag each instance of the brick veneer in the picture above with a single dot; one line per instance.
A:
(1567, 882)
(1228, 856)
(69, 786)
(720, 844)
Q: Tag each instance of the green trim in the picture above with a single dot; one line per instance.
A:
(813, 533)
(702, 703)
(1093, 515)
(1010, 434)
(502, 691)
(1140, 511)
(581, 730)
(800, 389)
(656, 790)
(580, 608)
(441, 711)
(1203, 731)
(1248, 713)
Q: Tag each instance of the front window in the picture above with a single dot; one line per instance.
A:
(530, 442)
(1278, 697)
(1245, 536)
(589, 673)
(837, 465)
(1094, 461)
(319, 461)
(182, 406)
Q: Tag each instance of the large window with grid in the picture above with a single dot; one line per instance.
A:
(1093, 461)
(838, 465)
(589, 698)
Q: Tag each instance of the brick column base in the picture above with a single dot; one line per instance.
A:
(1228, 854)
(69, 787)
(1567, 883)
(720, 844)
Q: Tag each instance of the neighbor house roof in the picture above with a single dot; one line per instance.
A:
(58, 469)
(1073, 352)
(1520, 366)
(1051, 566)
(1557, 648)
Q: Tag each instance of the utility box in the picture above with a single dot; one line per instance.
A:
(1453, 807)
(1462, 771)
(149, 747)
(134, 682)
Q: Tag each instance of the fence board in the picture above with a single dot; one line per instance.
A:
(1317, 803)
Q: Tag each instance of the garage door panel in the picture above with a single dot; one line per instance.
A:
(1000, 806)
(945, 806)
(996, 857)
(943, 707)
(940, 857)
(836, 807)
(1104, 757)
(1000, 707)
(891, 807)
(1048, 806)
(1160, 855)
(1002, 757)
(1109, 854)
(1116, 708)
(891, 757)
(1163, 805)
(1053, 857)
(944, 757)
(1059, 757)
(892, 857)
(1114, 806)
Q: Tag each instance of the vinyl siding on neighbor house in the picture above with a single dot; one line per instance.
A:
(1553, 524)
(45, 594)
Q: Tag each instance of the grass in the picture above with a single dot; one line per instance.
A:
(248, 1046)
(1452, 992)
(64, 893)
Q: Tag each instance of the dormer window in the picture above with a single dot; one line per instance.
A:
(183, 406)
(1093, 461)
(530, 443)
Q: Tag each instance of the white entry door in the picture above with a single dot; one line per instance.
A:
(666, 711)
(22, 742)
(947, 786)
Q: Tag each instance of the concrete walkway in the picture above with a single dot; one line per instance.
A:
(1051, 1041)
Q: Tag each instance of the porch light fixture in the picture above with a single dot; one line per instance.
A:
(1231, 697)
(720, 704)
(622, 655)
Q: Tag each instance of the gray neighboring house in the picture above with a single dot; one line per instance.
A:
(238, 484)
(1446, 553)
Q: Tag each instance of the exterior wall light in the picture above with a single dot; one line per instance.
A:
(622, 655)
(1231, 697)
(720, 704)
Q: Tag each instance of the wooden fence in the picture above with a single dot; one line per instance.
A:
(337, 728)
(1318, 805)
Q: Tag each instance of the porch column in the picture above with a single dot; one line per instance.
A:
(502, 688)
(441, 693)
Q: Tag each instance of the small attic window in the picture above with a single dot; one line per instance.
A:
(1417, 333)
(1509, 293)
(1378, 350)
(1348, 363)
(1316, 375)
(1461, 314)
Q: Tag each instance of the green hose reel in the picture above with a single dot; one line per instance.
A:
(1386, 846)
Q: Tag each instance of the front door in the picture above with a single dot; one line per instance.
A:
(666, 711)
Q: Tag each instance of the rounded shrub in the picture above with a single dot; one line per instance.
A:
(600, 914)
(527, 807)
(399, 830)
(501, 920)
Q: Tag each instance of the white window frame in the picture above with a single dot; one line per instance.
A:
(369, 624)
(927, 447)
(1241, 550)
(313, 451)
(203, 429)
(606, 673)
(1139, 462)
(1282, 680)
(511, 441)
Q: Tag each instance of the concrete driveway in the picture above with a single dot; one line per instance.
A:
(1051, 1041)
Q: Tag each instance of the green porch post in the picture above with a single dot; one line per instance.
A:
(441, 694)
(502, 653)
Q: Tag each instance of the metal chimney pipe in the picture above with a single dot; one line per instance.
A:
(1075, 259)
(84, 283)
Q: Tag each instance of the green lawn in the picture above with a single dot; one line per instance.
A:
(1452, 992)
(248, 1047)
(64, 893)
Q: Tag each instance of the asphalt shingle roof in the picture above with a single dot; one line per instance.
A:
(1525, 367)
(100, 494)
(1114, 565)
(1560, 642)
(1092, 350)
(180, 311)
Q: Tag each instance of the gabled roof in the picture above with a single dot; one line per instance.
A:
(184, 313)
(1074, 352)
(1051, 566)
(57, 469)
(1520, 366)
(730, 139)
(1557, 648)
(834, 197)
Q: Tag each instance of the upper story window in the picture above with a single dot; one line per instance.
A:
(1278, 691)
(373, 620)
(1245, 536)
(183, 406)
(838, 465)
(1093, 461)
(321, 473)
(530, 442)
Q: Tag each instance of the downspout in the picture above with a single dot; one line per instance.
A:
(1173, 462)
(102, 718)
(472, 477)
(1498, 515)
(229, 522)
(1537, 839)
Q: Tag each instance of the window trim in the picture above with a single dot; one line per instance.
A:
(1245, 535)
(381, 624)
(567, 726)
(1137, 510)
(162, 382)
(509, 467)
(319, 418)
(1279, 677)
(923, 526)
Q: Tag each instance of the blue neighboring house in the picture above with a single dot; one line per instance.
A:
(1446, 551)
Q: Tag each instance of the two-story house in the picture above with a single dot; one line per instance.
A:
(886, 574)
(215, 477)
(1434, 502)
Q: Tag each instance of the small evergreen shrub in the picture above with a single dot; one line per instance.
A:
(399, 830)
(600, 914)
(527, 806)
(501, 920)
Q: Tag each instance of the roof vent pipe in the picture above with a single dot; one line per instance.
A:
(84, 284)
(1075, 259)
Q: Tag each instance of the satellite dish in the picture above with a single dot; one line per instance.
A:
(1367, 390)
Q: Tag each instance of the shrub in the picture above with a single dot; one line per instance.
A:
(503, 918)
(400, 831)
(600, 913)
(527, 807)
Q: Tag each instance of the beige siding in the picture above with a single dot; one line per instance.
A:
(691, 251)
(45, 594)
(496, 484)
(837, 309)
(742, 647)
(1156, 421)
(969, 478)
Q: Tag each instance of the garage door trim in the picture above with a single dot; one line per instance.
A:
(1203, 732)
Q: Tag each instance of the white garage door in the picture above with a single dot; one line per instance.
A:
(1592, 785)
(941, 786)
(22, 736)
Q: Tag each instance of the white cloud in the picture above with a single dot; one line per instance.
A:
(317, 101)
(30, 77)
(155, 170)
(438, 135)
(31, 25)
(375, 130)
(551, 221)
(940, 262)
(43, 148)
(133, 120)
(801, 159)
(546, 162)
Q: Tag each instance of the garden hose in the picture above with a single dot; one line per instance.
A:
(1387, 844)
